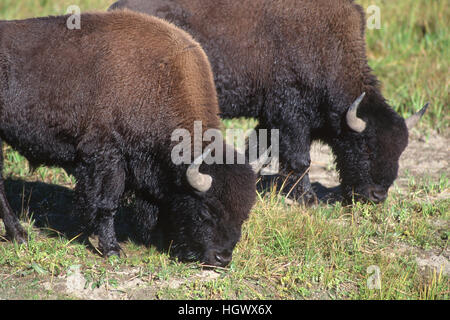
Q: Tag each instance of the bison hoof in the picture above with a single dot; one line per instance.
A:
(112, 253)
(310, 198)
(18, 235)
(21, 238)
(115, 251)
(307, 198)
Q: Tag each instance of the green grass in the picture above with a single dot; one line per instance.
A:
(410, 55)
(286, 252)
(12, 9)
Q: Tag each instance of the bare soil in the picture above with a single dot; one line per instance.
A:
(130, 285)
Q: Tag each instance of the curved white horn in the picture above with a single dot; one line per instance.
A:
(355, 123)
(258, 164)
(199, 181)
(412, 121)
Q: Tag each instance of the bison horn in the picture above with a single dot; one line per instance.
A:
(258, 164)
(355, 123)
(199, 181)
(412, 121)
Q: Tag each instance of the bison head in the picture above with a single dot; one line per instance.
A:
(369, 147)
(203, 221)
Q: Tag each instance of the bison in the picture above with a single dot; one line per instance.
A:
(299, 66)
(102, 102)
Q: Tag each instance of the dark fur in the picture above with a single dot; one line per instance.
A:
(102, 102)
(297, 66)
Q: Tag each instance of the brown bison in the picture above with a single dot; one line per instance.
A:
(299, 66)
(102, 103)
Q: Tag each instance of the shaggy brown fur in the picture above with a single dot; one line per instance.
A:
(102, 102)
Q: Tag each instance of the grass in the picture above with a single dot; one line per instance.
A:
(286, 252)
(11, 9)
(410, 55)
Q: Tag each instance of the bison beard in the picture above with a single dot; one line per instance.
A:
(298, 66)
(102, 103)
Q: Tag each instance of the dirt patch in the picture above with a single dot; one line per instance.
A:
(429, 261)
(427, 154)
(128, 285)
(435, 263)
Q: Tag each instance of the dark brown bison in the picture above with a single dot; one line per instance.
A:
(102, 102)
(299, 66)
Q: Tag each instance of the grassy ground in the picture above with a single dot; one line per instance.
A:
(286, 252)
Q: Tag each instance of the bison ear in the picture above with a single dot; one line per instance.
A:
(355, 123)
(199, 181)
(412, 121)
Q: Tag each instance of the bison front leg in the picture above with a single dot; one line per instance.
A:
(288, 113)
(99, 190)
(14, 230)
(295, 163)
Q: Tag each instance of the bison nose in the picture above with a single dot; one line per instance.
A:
(377, 195)
(222, 259)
